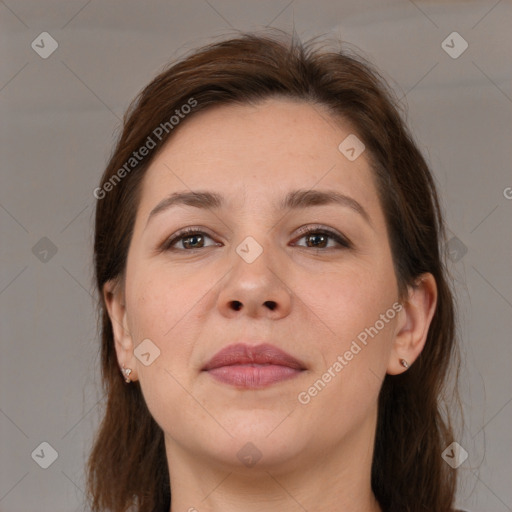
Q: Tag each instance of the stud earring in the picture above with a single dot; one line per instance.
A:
(404, 363)
(126, 373)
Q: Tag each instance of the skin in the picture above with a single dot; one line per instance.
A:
(314, 456)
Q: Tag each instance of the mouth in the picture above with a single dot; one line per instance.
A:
(253, 367)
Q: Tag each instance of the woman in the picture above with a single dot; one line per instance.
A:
(277, 326)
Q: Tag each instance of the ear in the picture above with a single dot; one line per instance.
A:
(413, 323)
(113, 294)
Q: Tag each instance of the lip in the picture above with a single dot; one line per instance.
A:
(253, 366)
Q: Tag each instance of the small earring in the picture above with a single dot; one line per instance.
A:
(404, 363)
(126, 373)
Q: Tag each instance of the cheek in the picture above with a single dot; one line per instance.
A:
(344, 387)
(354, 323)
(346, 302)
(163, 308)
(160, 301)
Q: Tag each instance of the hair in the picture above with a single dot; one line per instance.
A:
(127, 466)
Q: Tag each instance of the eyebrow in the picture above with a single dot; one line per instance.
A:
(294, 200)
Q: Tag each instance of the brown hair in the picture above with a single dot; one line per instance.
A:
(127, 465)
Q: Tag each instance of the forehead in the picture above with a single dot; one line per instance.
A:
(254, 153)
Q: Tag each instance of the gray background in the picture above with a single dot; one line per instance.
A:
(60, 116)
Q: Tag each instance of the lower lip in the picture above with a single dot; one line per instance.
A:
(253, 376)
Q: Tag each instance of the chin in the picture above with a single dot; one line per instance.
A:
(261, 439)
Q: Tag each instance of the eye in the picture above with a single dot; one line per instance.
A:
(318, 238)
(189, 238)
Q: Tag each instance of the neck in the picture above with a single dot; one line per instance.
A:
(337, 480)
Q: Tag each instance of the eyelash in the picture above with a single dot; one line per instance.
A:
(187, 232)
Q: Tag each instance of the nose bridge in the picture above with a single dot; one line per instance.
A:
(254, 286)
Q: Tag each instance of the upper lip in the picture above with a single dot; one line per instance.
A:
(241, 353)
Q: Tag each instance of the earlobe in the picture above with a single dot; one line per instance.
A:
(413, 324)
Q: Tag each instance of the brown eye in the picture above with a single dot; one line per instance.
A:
(187, 240)
(319, 238)
(194, 241)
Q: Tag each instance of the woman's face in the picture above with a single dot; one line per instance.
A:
(250, 276)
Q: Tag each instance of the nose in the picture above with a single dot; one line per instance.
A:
(255, 289)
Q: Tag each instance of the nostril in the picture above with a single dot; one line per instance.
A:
(271, 304)
(237, 305)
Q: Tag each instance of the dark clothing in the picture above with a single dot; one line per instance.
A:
(168, 506)
(165, 508)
